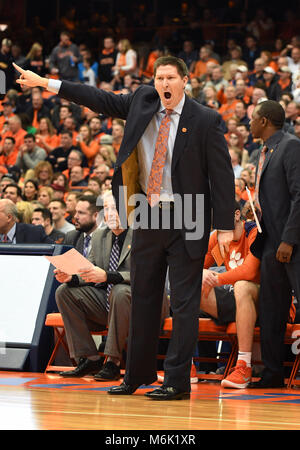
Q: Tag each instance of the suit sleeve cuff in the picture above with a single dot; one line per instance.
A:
(114, 278)
(74, 282)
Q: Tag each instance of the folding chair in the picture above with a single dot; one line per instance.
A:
(55, 320)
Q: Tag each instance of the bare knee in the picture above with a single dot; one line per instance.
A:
(245, 290)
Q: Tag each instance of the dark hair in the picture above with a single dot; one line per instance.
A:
(46, 213)
(29, 136)
(59, 200)
(172, 61)
(34, 182)
(11, 139)
(65, 131)
(92, 200)
(19, 190)
(273, 111)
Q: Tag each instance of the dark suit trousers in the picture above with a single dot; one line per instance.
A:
(152, 252)
(277, 282)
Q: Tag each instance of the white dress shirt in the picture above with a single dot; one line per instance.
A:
(146, 149)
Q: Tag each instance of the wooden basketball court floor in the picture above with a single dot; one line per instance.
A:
(36, 401)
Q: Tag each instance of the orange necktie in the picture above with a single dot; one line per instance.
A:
(159, 158)
(259, 171)
(35, 122)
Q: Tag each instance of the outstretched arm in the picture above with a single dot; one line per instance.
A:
(97, 100)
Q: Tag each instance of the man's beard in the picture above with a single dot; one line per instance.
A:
(85, 228)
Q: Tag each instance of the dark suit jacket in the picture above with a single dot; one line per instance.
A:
(76, 239)
(279, 193)
(200, 162)
(31, 234)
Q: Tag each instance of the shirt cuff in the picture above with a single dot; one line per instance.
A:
(54, 86)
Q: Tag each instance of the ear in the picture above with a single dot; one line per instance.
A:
(237, 214)
(185, 80)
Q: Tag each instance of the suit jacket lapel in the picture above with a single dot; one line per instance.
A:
(126, 246)
(80, 243)
(183, 131)
(107, 249)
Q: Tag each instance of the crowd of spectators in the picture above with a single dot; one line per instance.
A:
(50, 148)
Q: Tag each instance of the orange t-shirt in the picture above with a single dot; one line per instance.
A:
(200, 67)
(239, 262)
(9, 160)
(19, 137)
(227, 110)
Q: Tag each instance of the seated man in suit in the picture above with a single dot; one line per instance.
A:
(12, 232)
(85, 221)
(84, 299)
(232, 296)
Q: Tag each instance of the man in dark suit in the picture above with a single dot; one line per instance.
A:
(12, 232)
(195, 177)
(85, 221)
(278, 198)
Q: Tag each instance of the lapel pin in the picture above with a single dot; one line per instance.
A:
(184, 130)
(271, 151)
(129, 246)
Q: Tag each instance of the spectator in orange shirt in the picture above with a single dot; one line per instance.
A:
(149, 69)
(46, 137)
(117, 134)
(258, 94)
(232, 296)
(6, 114)
(227, 110)
(95, 125)
(8, 153)
(201, 64)
(285, 79)
(87, 145)
(242, 91)
(16, 131)
(37, 110)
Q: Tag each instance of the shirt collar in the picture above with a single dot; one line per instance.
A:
(11, 233)
(178, 108)
(272, 141)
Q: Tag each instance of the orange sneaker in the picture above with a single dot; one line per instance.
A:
(194, 378)
(239, 377)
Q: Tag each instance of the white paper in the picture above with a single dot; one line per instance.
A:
(253, 210)
(70, 262)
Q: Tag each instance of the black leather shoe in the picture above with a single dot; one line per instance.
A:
(123, 389)
(167, 393)
(85, 367)
(109, 372)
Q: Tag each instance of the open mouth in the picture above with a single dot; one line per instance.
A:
(167, 95)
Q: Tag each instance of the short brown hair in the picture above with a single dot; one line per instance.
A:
(172, 61)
